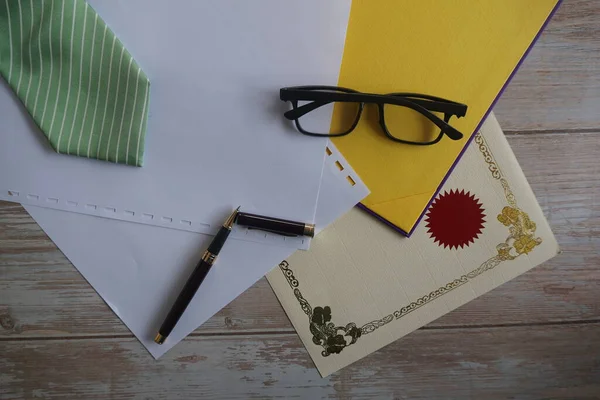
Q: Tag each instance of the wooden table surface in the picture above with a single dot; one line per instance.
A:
(535, 337)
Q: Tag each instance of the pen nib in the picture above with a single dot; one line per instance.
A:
(231, 219)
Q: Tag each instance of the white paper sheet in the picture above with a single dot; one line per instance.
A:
(216, 134)
(139, 269)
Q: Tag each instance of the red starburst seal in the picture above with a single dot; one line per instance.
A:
(455, 219)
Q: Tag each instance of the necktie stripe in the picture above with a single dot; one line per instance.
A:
(60, 149)
(37, 92)
(89, 89)
(93, 126)
(10, 43)
(137, 82)
(144, 120)
(30, 41)
(79, 84)
(116, 102)
(20, 41)
(124, 109)
(83, 92)
(60, 65)
(112, 53)
(51, 64)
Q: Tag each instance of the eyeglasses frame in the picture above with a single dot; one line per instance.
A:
(421, 103)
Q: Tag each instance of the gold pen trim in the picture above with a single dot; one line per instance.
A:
(309, 230)
(231, 219)
(209, 257)
(159, 339)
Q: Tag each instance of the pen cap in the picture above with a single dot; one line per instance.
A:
(275, 225)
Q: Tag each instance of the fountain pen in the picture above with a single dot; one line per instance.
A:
(195, 279)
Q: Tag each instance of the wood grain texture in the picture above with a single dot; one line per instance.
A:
(494, 363)
(537, 336)
(558, 85)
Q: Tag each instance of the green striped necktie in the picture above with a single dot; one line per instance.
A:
(82, 88)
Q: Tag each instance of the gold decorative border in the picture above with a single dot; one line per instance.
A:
(520, 240)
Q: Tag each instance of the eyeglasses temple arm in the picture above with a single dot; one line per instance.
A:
(460, 110)
(446, 128)
(305, 109)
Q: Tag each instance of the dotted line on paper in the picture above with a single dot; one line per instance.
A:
(340, 167)
(90, 207)
(130, 215)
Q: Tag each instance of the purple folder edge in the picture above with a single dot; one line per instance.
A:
(510, 77)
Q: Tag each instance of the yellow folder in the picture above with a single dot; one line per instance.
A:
(461, 50)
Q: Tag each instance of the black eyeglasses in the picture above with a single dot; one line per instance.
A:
(313, 107)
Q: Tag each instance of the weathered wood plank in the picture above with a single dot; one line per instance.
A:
(51, 299)
(558, 362)
(558, 86)
(42, 295)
